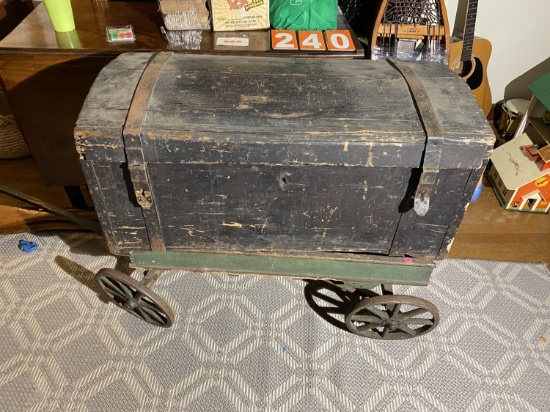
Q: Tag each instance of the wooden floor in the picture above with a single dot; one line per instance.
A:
(490, 232)
(487, 231)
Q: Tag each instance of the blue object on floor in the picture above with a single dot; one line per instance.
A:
(477, 193)
(27, 246)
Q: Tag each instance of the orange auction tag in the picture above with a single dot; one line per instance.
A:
(311, 40)
(339, 40)
(284, 40)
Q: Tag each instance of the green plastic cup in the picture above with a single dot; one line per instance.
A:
(68, 40)
(61, 14)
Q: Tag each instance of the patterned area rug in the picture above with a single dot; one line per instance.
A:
(252, 343)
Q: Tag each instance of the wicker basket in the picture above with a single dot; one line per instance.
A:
(12, 143)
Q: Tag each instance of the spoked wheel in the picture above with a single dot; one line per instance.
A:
(134, 297)
(391, 317)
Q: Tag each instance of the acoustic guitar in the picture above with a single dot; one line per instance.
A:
(469, 58)
(411, 30)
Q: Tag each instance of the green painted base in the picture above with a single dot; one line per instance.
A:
(349, 272)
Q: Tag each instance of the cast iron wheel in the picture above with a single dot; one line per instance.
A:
(134, 297)
(391, 317)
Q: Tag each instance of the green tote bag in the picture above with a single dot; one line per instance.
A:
(303, 14)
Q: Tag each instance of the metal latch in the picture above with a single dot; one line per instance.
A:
(144, 198)
(142, 187)
(430, 170)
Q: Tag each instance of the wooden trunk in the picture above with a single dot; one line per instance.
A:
(305, 157)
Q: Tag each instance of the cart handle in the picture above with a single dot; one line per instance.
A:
(73, 217)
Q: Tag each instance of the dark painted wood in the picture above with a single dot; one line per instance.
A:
(118, 211)
(283, 156)
(473, 181)
(423, 235)
(272, 207)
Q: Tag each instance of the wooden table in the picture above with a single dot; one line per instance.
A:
(47, 75)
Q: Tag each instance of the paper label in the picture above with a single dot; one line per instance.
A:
(230, 15)
(232, 41)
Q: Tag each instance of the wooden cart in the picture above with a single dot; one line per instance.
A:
(352, 174)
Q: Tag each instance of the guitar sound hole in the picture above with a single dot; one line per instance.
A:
(466, 69)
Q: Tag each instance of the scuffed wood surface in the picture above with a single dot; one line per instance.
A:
(279, 208)
(281, 155)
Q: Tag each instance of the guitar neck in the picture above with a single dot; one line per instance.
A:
(469, 29)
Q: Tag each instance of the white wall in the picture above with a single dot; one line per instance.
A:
(519, 31)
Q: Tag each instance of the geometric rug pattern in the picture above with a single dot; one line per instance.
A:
(252, 343)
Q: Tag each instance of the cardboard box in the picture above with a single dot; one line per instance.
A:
(185, 14)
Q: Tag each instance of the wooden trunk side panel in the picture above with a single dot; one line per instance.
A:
(471, 185)
(257, 149)
(223, 207)
(424, 235)
(120, 216)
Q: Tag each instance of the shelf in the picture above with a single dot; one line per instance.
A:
(540, 128)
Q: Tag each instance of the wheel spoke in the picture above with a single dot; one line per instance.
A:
(150, 305)
(407, 330)
(342, 287)
(386, 332)
(366, 318)
(368, 326)
(114, 292)
(395, 310)
(382, 314)
(413, 313)
(127, 291)
(419, 321)
(142, 313)
(344, 295)
(111, 287)
(154, 315)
